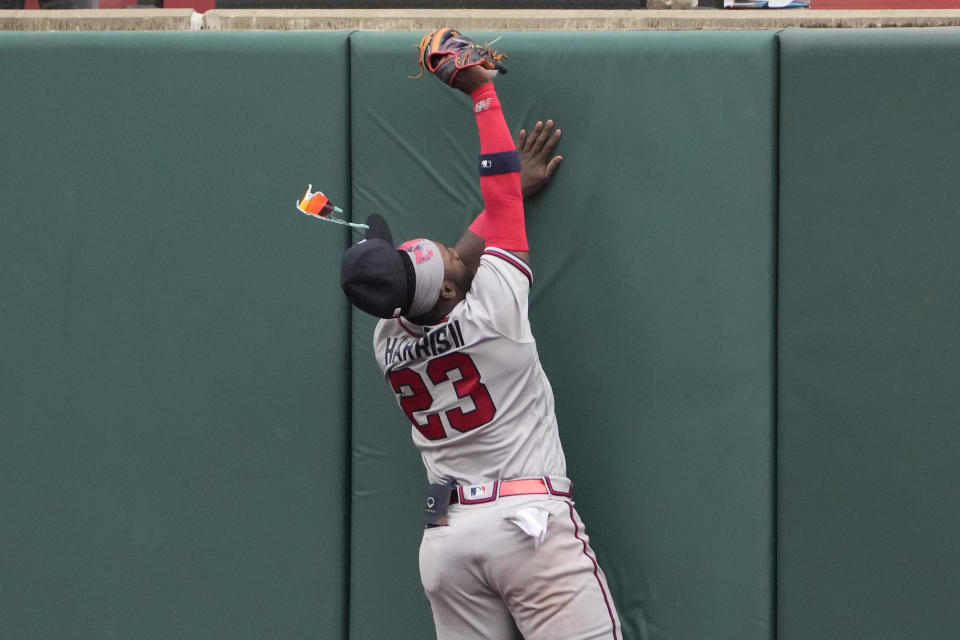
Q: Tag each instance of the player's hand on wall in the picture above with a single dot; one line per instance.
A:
(536, 157)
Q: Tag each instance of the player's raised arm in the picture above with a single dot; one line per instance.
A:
(503, 224)
(464, 65)
(538, 165)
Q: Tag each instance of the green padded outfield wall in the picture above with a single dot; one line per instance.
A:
(173, 388)
(869, 347)
(653, 258)
(179, 377)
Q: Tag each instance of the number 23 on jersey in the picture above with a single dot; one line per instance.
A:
(414, 392)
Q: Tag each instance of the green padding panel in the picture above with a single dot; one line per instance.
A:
(869, 353)
(173, 411)
(653, 307)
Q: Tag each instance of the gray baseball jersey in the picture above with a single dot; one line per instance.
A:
(479, 402)
(482, 410)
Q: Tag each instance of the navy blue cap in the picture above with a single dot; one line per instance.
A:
(376, 276)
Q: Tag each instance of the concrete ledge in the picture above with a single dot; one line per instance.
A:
(569, 20)
(101, 20)
(419, 20)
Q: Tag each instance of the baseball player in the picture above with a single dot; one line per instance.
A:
(504, 549)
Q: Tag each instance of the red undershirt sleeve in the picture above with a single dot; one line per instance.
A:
(501, 224)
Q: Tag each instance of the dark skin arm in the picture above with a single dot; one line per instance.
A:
(538, 165)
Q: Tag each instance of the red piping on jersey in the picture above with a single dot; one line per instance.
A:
(517, 262)
(555, 491)
(596, 570)
(410, 331)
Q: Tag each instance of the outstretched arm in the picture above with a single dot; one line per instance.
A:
(538, 166)
(464, 65)
(503, 224)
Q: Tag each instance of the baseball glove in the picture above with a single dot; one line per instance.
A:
(445, 52)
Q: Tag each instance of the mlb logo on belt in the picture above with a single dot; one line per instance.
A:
(475, 493)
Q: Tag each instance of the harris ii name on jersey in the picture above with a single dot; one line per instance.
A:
(440, 340)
